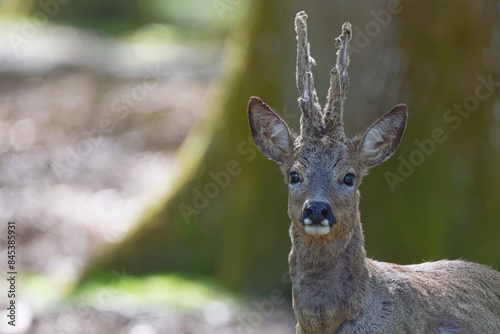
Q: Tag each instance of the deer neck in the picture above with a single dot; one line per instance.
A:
(330, 256)
(326, 278)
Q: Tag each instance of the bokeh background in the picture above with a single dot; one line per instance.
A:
(141, 203)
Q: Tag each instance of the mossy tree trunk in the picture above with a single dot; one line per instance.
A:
(446, 205)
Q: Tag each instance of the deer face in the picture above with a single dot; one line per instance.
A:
(323, 180)
(323, 170)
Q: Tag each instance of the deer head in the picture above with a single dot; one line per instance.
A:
(323, 167)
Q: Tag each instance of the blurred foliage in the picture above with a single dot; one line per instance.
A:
(42, 292)
(192, 18)
(173, 291)
(429, 55)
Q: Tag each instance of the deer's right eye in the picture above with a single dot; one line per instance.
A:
(294, 178)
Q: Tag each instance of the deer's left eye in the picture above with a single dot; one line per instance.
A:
(294, 178)
(349, 179)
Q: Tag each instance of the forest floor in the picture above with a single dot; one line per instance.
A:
(89, 128)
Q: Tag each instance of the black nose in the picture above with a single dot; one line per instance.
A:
(317, 212)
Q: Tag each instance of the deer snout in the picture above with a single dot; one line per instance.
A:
(316, 212)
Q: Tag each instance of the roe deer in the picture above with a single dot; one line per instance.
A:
(335, 287)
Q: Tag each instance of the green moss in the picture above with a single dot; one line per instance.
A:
(163, 290)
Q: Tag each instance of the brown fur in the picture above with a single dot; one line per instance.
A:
(336, 288)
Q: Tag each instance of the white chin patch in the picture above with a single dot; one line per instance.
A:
(317, 229)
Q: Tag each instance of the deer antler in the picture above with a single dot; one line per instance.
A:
(308, 99)
(339, 80)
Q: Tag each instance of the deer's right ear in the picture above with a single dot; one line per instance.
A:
(269, 131)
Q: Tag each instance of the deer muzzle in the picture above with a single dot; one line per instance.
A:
(317, 216)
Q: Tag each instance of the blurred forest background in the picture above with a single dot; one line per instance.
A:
(141, 203)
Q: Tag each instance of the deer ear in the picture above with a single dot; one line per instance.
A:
(269, 131)
(382, 139)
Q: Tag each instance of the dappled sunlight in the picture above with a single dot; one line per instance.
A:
(89, 126)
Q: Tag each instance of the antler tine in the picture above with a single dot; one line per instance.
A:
(308, 99)
(339, 81)
(306, 103)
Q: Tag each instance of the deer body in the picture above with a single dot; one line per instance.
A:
(336, 288)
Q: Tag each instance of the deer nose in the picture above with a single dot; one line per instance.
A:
(318, 213)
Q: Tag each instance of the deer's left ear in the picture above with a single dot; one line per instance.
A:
(269, 131)
(382, 139)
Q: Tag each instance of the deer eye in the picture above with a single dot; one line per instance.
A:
(294, 178)
(349, 179)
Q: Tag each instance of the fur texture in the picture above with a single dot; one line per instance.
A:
(336, 288)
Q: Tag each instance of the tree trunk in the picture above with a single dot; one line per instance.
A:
(226, 214)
